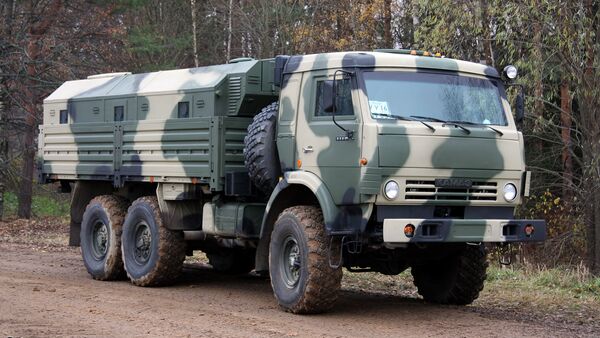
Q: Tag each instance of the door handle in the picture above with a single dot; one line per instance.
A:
(307, 149)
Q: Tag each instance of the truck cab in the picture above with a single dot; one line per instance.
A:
(412, 158)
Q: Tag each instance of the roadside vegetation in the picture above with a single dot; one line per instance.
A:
(44, 204)
(533, 293)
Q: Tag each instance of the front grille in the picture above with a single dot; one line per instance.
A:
(426, 190)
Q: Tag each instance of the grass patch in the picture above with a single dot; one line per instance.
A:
(569, 281)
(568, 295)
(42, 205)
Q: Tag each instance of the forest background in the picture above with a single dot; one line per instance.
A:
(554, 44)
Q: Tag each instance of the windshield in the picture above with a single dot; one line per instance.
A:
(434, 97)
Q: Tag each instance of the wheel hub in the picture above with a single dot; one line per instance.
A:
(291, 262)
(99, 240)
(143, 243)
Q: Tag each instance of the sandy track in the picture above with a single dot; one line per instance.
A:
(50, 293)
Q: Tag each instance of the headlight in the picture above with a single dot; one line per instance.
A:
(391, 190)
(510, 192)
(511, 72)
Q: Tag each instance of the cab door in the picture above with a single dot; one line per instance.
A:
(321, 145)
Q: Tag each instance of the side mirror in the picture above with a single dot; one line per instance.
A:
(328, 94)
(520, 106)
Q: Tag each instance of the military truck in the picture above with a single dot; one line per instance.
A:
(296, 166)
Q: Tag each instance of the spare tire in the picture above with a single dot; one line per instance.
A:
(260, 149)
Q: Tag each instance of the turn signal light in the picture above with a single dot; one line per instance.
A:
(363, 161)
(409, 230)
(299, 164)
(529, 229)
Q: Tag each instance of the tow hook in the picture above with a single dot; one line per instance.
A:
(505, 257)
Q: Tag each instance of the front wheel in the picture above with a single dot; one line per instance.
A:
(456, 280)
(301, 277)
(153, 255)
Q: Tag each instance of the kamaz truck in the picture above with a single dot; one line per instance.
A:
(295, 167)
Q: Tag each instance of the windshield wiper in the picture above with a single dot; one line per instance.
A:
(429, 118)
(404, 118)
(457, 125)
(480, 125)
(444, 123)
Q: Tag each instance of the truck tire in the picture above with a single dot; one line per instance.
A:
(260, 149)
(301, 277)
(232, 261)
(100, 237)
(153, 255)
(455, 280)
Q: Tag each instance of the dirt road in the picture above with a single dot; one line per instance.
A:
(47, 292)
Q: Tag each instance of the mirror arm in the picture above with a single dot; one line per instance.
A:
(349, 133)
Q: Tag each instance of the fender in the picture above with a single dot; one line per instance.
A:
(313, 182)
(337, 219)
(302, 178)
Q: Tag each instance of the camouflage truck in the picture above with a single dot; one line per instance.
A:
(296, 166)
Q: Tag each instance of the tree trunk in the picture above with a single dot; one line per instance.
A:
(194, 32)
(590, 111)
(566, 124)
(592, 208)
(538, 91)
(487, 51)
(3, 151)
(229, 30)
(236, 32)
(6, 31)
(37, 30)
(387, 24)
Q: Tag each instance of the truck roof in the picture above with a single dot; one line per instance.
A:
(302, 63)
(123, 84)
(119, 84)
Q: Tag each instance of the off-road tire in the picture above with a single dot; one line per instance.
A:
(455, 280)
(318, 284)
(232, 261)
(260, 149)
(107, 212)
(166, 251)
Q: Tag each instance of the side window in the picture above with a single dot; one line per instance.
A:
(343, 102)
(119, 113)
(183, 109)
(64, 117)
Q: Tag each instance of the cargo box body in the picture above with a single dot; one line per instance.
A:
(183, 125)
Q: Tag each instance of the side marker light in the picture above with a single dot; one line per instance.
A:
(529, 230)
(409, 230)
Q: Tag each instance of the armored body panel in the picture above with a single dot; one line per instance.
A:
(184, 125)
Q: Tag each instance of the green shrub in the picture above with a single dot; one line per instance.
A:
(43, 204)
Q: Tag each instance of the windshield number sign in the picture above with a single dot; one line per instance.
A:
(379, 107)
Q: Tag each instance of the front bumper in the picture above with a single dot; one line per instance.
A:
(463, 230)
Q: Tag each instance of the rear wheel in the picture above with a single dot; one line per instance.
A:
(100, 237)
(301, 277)
(152, 254)
(457, 279)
